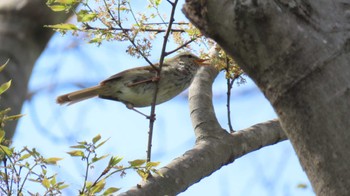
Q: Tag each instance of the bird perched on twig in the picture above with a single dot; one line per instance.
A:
(135, 87)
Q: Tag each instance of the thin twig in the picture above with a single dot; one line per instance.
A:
(158, 13)
(12, 181)
(125, 32)
(6, 175)
(9, 187)
(229, 87)
(2, 189)
(182, 46)
(166, 23)
(230, 82)
(171, 3)
(99, 177)
(89, 27)
(86, 172)
(30, 170)
(153, 107)
(133, 15)
(18, 176)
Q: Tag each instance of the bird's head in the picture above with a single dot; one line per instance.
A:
(189, 57)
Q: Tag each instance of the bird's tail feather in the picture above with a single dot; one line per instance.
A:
(80, 95)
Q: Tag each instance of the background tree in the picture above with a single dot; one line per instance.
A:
(22, 39)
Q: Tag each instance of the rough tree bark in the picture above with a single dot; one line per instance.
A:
(297, 52)
(214, 148)
(22, 39)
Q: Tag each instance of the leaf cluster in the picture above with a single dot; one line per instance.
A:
(87, 152)
(112, 20)
(19, 167)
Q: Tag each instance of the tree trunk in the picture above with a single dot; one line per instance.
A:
(297, 52)
(22, 39)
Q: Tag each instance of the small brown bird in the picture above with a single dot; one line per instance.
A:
(135, 87)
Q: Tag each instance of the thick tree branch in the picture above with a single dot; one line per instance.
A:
(22, 38)
(214, 147)
(297, 52)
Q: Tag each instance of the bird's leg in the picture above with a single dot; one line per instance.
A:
(153, 79)
(131, 107)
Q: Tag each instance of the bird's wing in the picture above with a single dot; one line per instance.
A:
(136, 74)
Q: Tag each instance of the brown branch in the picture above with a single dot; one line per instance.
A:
(182, 46)
(162, 56)
(125, 32)
(166, 23)
(204, 159)
(229, 82)
(89, 27)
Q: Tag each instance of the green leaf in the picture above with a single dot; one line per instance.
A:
(123, 8)
(44, 171)
(4, 176)
(5, 111)
(157, 2)
(110, 190)
(70, 2)
(96, 138)
(25, 156)
(86, 16)
(157, 172)
(81, 146)
(58, 8)
(144, 175)
(100, 144)
(4, 65)
(14, 117)
(88, 184)
(154, 3)
(99, 186)
(137, 162)
(52, 160)
(53, 181)
(95, 159)
(5, 150)
(63, 26)
(97, 40)
(152, 164)
(2, 135)
(76, 153)
(83, 143)
(63, 186)
(5, 86)
(302, 186)
(48, 2)
(114, 161)
(46, 183)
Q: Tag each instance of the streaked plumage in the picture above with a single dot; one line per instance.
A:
(135, 87)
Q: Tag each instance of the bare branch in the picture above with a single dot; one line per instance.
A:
(162, 56)
(166, 23)
(89, 27)
(182, 46)
(125, 32)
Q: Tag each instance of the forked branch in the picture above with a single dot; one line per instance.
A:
(204, 159)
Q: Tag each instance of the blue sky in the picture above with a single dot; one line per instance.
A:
(69, 64)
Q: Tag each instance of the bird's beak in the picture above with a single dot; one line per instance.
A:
(202, 62)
